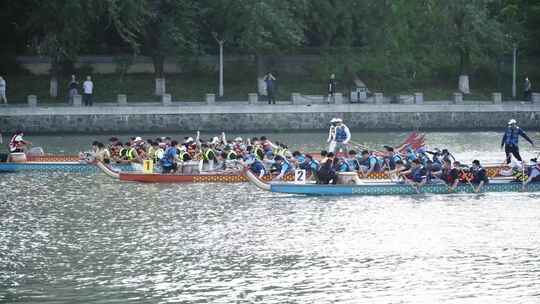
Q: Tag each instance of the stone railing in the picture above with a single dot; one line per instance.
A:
(377, 98)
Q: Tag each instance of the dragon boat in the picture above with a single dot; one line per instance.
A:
(383, 188)
(204, 177)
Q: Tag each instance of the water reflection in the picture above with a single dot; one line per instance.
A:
(67, 238)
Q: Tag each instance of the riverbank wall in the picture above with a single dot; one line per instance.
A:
(245, 117)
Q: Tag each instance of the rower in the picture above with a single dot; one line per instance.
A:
(208, 157)
(341, 165)
(284, 167)
(369, 163)
(255, 165)
(352, 161)
(510, 140)
(310, 165)
(267, 145)
(390, 157)
(327, 174)
(416, 175)
(533, 174)
(102, 154)
(449, 174)
(324, 156)
(170, 160)
(480, 177)
(298, 159)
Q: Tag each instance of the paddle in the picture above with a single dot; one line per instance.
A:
(523, 175)
(468, 181)
(359, 145)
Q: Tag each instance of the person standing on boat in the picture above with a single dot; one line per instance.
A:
(510, 140)
(339, 136)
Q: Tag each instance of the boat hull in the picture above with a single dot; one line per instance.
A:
(62, 166)
(192, 178)
(394, 189)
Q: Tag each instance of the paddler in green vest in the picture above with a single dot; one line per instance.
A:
(208, 156)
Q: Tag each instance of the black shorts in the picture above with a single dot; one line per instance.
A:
(169, 169)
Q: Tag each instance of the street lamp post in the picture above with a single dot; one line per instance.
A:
(221, 67)
(514, 72)
(220, 42)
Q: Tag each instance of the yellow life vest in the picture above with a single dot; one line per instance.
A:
(206, 154)
(130, 155)
(231, 153)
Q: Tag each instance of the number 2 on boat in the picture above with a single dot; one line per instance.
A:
(300, 176)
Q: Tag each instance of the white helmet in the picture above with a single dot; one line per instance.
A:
(512, 122)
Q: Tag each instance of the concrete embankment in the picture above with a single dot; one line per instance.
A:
(245, 117)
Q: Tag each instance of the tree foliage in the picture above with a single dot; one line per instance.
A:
(394, 39)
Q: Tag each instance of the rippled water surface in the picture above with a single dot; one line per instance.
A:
(73, 238)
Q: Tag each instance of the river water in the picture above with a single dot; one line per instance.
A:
(74, 238)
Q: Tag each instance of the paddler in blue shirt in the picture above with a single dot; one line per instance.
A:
(369, 163)
(510, 140)
(169, 162)
(250, 160)
(390, 158)
(284, 165)
(311, 165)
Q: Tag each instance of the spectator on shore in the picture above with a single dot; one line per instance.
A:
(3, 87)
(88, 90)
(527, 89)
(269, 79)
(331, 88)
(72, 89)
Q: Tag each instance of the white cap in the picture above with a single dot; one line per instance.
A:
(238, 139)
(190, 139)
(512, 121)
(18, 138)
(333, 120)
(138, 138)
(339, 120)
(215, 140)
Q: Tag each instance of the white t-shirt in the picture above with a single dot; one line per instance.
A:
(88, 87)
(2, 85)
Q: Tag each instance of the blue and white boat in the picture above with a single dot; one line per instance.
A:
(384, 188)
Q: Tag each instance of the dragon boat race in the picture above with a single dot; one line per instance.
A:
(284, 151)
